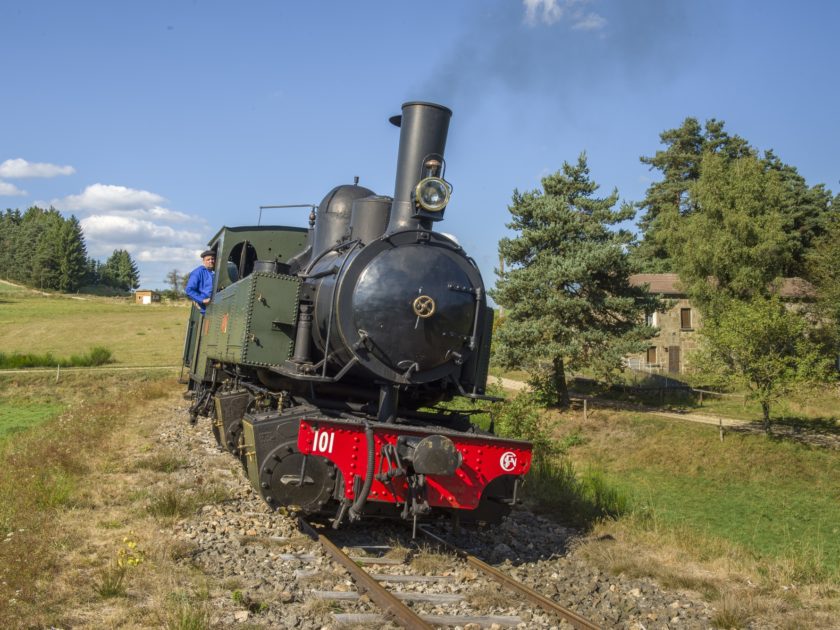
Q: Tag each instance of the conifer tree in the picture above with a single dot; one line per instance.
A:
(739, 238)
(668, 200)
(120, 271)
(72, 256)
(9, 236)
(807, 210)
(566, 296)
(46, 251)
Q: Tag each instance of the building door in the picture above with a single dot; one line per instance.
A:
(674, 359)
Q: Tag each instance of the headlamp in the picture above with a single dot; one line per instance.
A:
(432, 194)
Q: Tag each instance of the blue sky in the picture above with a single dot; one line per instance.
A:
(156, 123)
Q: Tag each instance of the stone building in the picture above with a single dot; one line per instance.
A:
(669, 351)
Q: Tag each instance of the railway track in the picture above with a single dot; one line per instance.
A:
(396, 605)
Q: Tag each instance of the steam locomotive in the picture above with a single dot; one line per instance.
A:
(324, 353)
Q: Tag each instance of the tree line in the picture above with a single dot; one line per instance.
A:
(42, 249)
(730, 220)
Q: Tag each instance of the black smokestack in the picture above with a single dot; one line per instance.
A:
(423, 129)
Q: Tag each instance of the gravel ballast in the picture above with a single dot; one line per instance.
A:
(262, 570)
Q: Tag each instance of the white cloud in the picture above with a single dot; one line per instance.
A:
(158, 238)
(546, 11)
(165, 214)
(550, 12)
(108, 198)
(181, 258)
(589, 22)
(20, 168)
(110, 231)
(10, 190)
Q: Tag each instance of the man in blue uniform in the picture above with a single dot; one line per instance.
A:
(200, 285)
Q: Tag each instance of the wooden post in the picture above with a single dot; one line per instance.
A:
(720, 428)
(57, 372)
(584, 410)
(701, 398)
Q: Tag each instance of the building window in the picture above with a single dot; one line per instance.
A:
(651, 355)
(685, 318)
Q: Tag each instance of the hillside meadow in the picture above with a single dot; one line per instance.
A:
(750, 522)
(38, 323)
(136, 334)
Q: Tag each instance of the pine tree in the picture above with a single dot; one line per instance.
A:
(806, 210)
(93, 272)
(666, 201)
(9, 236)
(46, 253)
(741, 236)
(120, 271)
(566, 295)
(72, 256)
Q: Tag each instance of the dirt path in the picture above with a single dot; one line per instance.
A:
(716, 420)
(814, 436)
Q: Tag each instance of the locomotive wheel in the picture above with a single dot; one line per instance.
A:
(280, 482)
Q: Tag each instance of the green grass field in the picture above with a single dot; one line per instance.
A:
(63, 325)
(18, 416)
(66, 325)
(774, 498)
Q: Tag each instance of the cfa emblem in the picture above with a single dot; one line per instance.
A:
(508, 460)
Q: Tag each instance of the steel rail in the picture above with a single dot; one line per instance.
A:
(546, 604)
(383, 598)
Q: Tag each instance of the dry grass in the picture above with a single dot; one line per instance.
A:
(428, 562)
(734, 611)
(162, 461)
(63, 569)
(490, 598)
(739, 587)
(80, 481)
(187, 616)
(320, 607)
(398, 551)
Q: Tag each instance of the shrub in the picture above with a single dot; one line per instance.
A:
(95, 356)
(522, 418)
